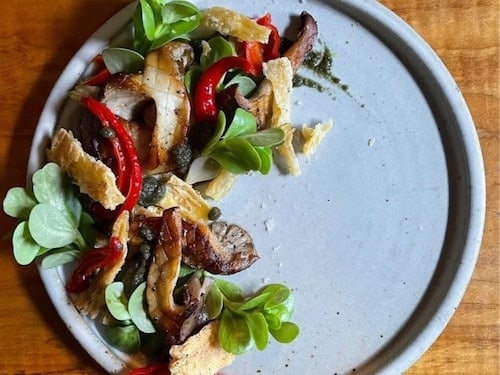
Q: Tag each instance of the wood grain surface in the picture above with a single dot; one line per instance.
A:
(38, 38)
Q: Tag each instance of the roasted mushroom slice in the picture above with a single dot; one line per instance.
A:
(194, 294)
(162, 277)
(163, 80)
(305, 41)
(222, 248)
(124, 96)
(177, 314)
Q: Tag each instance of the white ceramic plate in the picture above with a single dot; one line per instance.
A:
(379, 235)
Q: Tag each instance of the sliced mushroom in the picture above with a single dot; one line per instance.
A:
(162, 277)
(124, 96)
(194, 295)
(178, 316)
(163, 80)
(222, 249)
(305, 40)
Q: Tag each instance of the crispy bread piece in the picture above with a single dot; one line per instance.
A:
(314, 136)
(231, 23)
(93, 177)
(280, 73)
(201, 354)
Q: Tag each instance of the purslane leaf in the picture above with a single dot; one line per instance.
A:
(49, 186)
(286, 333)
(234, 334)
(214, 302)
(50, 227)
(24, 246)
(122, 60)
(148, 19)
(125, 338)
(137, 312)
(266, 159)
(18, 203)
(230, 290)
(259, 329)
(266, 138)
(243, 123)
(58, 257)
(116, 301)
(254, 302)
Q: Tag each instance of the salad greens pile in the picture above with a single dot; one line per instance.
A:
(266, 312)
(241, 148)
(53, 224)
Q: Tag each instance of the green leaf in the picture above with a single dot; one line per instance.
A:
(219, 48)
(258, 328)
(49, 185)
(234, 334)
(18, 203)
(116, 301)
(220, 126)
(266, 138)
(254, 302)
(237, 152)
(246, 85)
(50, 228)
(243, 123)
(125, 338)
(52, 186)
(279, 294)
(125, 60)
(58, 257)
(138, 312)
(24, 246)
(273, 321)
(178, 18)
(191, 78)
(214, 302)
(148, 19)
(179, 10)
(87, 229)
(266, 159)
(229, 290)
(286, 333)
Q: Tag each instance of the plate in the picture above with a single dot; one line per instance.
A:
(379, 236)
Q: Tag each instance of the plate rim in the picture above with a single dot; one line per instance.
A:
(384, 18)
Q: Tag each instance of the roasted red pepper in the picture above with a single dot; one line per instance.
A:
(158, 369)
(257, 53)
(130, 170)
(92, 261)
(205, 106)
(102, 75)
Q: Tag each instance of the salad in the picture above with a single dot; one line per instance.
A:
(127, 198)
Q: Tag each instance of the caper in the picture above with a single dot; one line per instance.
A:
(214, 213)
(107, 132)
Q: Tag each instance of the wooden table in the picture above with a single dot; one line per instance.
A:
(39, 38)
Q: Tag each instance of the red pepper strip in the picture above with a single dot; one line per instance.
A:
(101, 77)
(133, 166)
(91, 261)
(158, 369)
(120, 164)
(205, 107)
(257, 53)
